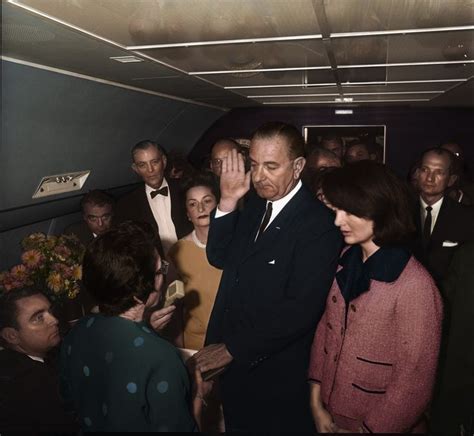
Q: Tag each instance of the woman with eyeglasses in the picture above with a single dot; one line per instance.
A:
(374, 355)
(116, 372)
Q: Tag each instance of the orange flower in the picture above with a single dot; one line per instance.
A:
(19, 273)
(32, 258)
(55, 282)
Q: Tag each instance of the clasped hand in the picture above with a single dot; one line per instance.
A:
(211, 357)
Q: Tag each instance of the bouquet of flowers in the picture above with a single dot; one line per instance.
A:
(52, 263)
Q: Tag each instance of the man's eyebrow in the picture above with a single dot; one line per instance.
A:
(37, 313)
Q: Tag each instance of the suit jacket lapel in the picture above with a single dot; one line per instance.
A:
(441, 220)
(146, 211)
(279, 224)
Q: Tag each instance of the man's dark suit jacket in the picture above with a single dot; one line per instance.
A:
(81, 230)
(454, 402)
(29, 396)
(135, 206)
(454, 224)
(271, 296)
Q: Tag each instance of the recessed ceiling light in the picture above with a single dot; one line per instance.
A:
(311, 85)
(126, 59)
(401, 31)
(342, 102)
(345, 93)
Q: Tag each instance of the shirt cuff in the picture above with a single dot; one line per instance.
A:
(220, 214)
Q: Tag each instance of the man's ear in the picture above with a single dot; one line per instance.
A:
(10, 335)
(165, 161)
(134, 168)
(298, 166)
(452, 180)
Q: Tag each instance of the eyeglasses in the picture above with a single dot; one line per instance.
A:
(96, 218)
(163, 270)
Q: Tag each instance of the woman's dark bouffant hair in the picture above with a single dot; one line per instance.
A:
(370, 190)
(202, 179)
(120, 265)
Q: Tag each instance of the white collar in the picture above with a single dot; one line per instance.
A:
(279, 204)
(435, 207)
(38, 359)
(149, 189)
(196, 240)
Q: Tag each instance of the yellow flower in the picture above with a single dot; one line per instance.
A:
(77, 272)
(55, 282)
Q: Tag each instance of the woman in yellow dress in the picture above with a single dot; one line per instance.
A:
(188, 255)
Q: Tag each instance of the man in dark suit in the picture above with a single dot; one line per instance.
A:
(442, 224)
(279, 257)
(29, 388)
(158, 201)
(453, 406)
(97, 214)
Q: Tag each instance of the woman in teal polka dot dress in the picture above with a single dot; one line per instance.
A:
(116, 372)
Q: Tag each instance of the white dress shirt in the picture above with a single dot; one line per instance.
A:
(434, 212)
(161, 208)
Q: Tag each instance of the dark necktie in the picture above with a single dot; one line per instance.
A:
(427, 226)
(162, 191)
(266, 219)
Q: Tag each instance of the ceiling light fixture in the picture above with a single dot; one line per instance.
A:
(258, 70)
(389, 82)
(188, 44)
(225, 42)
(342, 102)
(404, 64)
(348, 93)
(342, 67)
(293, 95)
(401, 31)
(126, 59)
(309, 85)
(306, 85)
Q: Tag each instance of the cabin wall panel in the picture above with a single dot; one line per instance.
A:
(410, 130)
(54, 123)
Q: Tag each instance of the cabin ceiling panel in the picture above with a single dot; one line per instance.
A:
(222, 51)
(141, 22)
(372, 15)
(431, 72)
(430, 47)
(273, 78)
(237, 57)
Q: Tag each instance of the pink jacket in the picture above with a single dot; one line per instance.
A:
(380, 370)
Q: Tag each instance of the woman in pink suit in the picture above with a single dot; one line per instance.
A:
(374, 355)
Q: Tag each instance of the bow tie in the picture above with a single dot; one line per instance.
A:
(162, 191)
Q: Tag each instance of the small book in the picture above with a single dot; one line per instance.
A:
(174, 292)
(208, 375)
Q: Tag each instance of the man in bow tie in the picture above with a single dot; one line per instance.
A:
(157, 201)
(279, 256)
